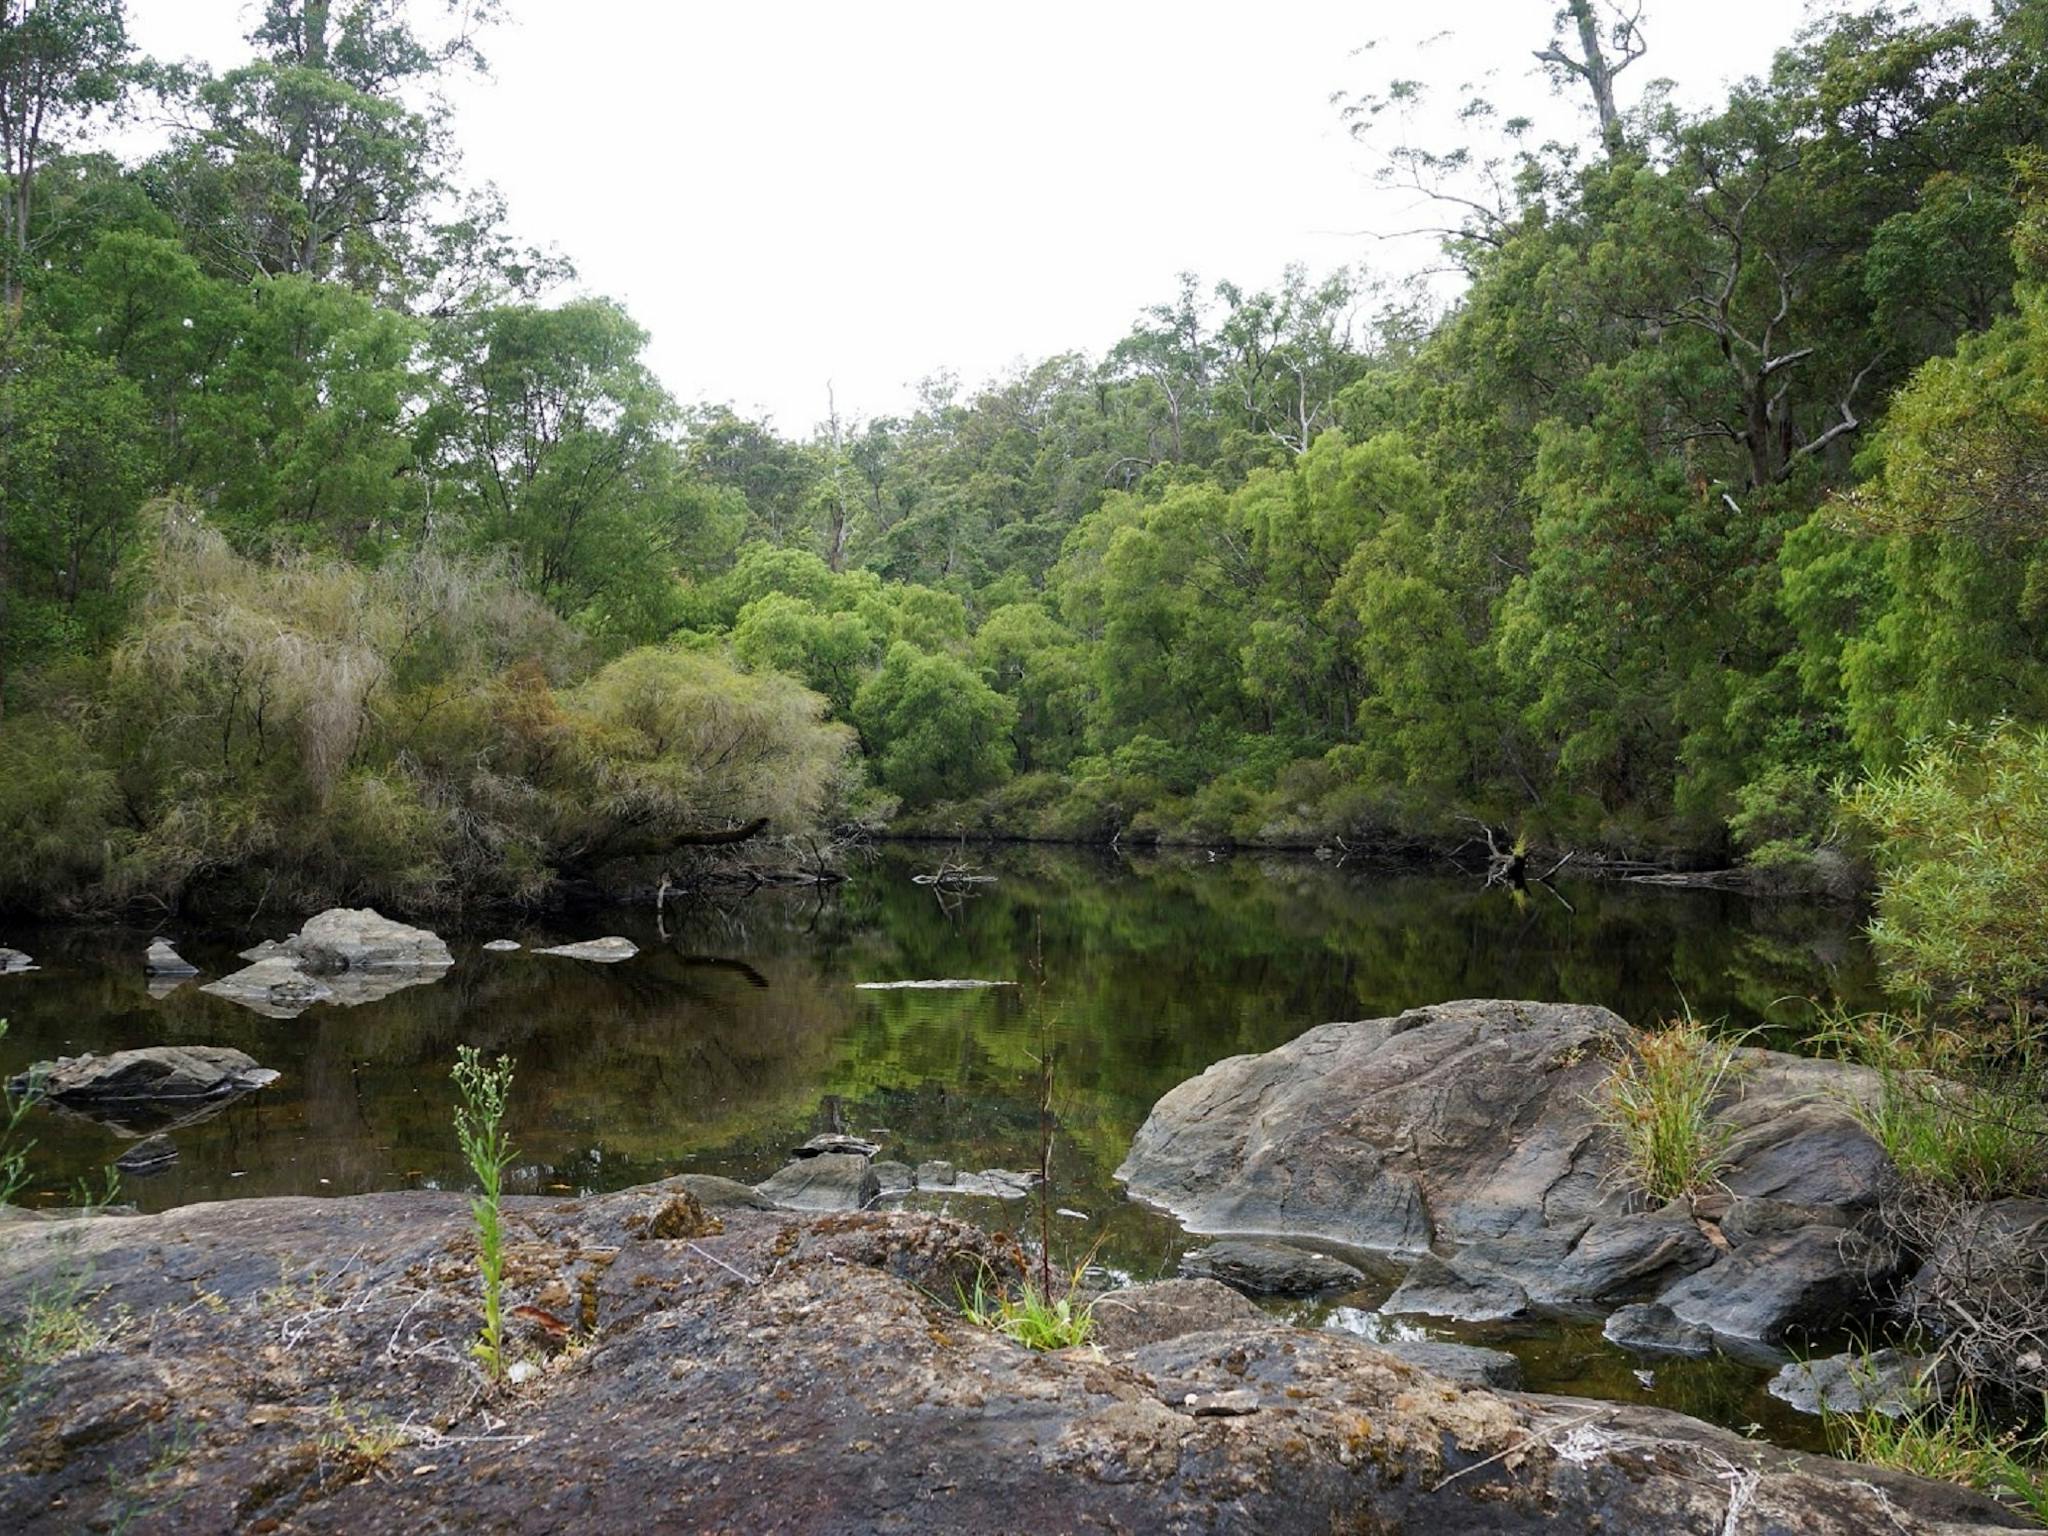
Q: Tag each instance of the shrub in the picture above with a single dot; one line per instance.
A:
(1962, 852)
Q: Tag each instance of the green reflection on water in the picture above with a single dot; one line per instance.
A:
(738, 1030)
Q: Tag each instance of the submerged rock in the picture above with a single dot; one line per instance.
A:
(606, 951)
(1271, 1269)
(804, 1374)
(152, 1154)
(831, 1181)
(1887, 1381)
(501, 946)
(163, 960)
(951, 984)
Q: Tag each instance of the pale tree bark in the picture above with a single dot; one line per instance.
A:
(1594, 67)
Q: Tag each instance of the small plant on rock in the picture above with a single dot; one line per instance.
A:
(1660, 1104)
(479, 1125)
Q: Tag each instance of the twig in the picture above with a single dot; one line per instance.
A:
(1534, 1437)
(714, 1258)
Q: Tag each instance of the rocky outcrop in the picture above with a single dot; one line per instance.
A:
(13, 961)
(1271, 1269)
(606, 951)
(1466, 1132)
(345, 956)
(786, 1374)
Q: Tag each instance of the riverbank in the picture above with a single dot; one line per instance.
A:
(302, 1364)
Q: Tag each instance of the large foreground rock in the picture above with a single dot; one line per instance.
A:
(1467, 1131)
(790, 1374)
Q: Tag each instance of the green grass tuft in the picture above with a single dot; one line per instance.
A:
(1659, 1104)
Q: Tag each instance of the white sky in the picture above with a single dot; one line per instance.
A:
(786, 192)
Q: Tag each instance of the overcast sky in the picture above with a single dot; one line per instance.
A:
(790, 193)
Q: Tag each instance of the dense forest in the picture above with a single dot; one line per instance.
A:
(341, 554)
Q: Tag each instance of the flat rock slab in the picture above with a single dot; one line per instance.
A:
(605, 951)
(831, 1181)
(501, 946)
(1270, 1268)
(13, 961)
(791, 1374)
(949, 985)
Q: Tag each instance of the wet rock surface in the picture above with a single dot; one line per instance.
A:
(13, 961)
(303, 1365)
(1464, 1135)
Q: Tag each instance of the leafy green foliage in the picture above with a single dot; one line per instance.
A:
(1961, 831)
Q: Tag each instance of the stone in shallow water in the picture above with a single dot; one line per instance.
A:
(936, 1174)
(831, 1181)
(501, 946)
(1886, 1382)
(1651, 1328)
(277, 987)
(950, 984)
(1270, 1269)
(606, 951)
(895, 1178)
(163, 960)
(1436, 1289)
(13, 960)
(153, 1154)
(142, 1089)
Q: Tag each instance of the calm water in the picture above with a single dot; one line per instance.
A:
(738, 1031)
